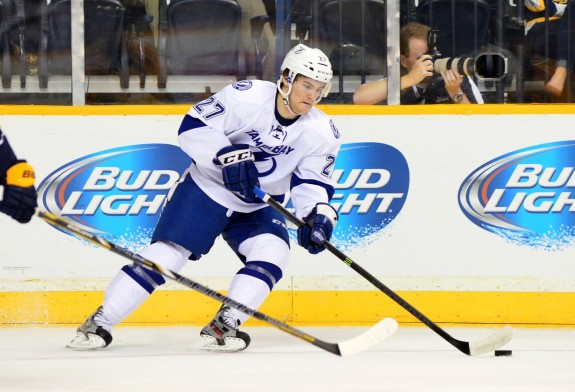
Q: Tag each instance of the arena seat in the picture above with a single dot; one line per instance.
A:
(104, 39)
(200, 37)
(462, 24)
(361, 47)
(12, 40)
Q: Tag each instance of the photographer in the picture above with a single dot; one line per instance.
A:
(419, 84)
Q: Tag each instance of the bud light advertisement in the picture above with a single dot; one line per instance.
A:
(525, 196)
(371, 185)
(119, 193)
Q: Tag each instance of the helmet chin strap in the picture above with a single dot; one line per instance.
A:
(286, 101)
(285, 96)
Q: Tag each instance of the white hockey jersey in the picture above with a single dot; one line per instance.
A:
(299, 153)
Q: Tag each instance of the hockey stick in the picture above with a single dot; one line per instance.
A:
(482, 346)
(373, 336)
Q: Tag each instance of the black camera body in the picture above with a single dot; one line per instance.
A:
(489, 66)
(432, 45)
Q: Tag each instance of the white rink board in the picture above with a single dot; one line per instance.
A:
(430, 246)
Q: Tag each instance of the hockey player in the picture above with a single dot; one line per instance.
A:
(250, 133)
(17, 178)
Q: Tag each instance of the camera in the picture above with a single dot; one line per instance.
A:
(489, 66)
(484, 66)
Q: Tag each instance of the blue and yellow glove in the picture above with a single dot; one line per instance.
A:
(19, 200)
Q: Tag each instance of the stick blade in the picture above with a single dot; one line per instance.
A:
(370, 338)
(491, 342)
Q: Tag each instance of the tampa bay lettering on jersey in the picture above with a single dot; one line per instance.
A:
(276, 150)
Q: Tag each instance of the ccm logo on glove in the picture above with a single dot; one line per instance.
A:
(239, 171)
(235, 156)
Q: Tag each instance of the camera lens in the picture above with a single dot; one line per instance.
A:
(463, 65)
(485, 66)
(491, 66)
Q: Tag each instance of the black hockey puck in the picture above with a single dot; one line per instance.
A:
(503, 353)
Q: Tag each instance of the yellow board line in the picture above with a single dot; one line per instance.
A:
(338, 308)
(181, 109)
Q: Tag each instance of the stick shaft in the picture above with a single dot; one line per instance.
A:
(333, 348)
(462, 346)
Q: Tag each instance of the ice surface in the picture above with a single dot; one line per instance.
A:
(160, 359)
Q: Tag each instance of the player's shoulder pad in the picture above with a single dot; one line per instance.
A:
(249, 91)
(323, 124)
(251, 85)
(243, 85)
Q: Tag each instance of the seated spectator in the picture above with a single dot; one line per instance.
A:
(419, 84)
(558, 41)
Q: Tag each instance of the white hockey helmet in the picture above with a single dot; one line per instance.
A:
(306, 61)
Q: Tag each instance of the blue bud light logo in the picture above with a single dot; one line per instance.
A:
(371, 185)
(525, 196)
(119, 193)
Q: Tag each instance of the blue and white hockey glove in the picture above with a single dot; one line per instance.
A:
(19, 199)
(318, 227)
(239, 170)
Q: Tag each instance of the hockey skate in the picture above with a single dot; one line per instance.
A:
(222, 334)
(91, 335)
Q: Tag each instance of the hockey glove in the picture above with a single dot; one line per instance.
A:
(19, 200)
(239, 170)
(318, 227)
